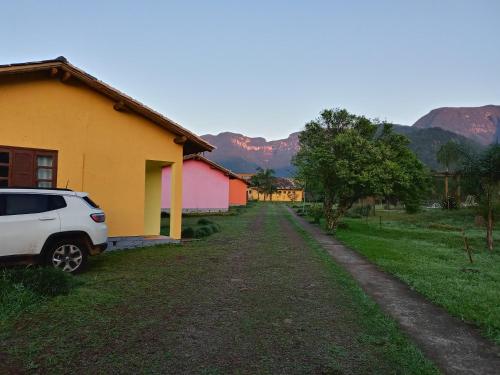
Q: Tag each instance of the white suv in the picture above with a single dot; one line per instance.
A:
(57, 227)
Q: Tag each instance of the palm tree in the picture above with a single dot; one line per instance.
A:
(448, 155)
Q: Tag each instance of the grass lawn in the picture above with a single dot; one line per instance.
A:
(260, 296)
(426, 251)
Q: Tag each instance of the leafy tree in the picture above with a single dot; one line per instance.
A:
(346, 156)
(483, 171)
(265, 182)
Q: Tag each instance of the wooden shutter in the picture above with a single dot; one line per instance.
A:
(23, 168)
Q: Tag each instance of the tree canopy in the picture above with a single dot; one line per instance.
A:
(482, 170)
(449, 154)
(265, 181)
(348, 159)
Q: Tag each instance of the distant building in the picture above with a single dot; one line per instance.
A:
(206, 186)
(287, 190)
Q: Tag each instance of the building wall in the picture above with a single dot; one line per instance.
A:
(203, 188)
(281, 195)
(100, 151)
(237, 192)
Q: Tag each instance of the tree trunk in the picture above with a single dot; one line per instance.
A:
(339, 214)
(446, 190)
(328, 208)
(333, 216)
(489, 229)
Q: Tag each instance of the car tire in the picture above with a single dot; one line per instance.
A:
(67, 255)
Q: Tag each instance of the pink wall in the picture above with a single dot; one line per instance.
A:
(203, 187)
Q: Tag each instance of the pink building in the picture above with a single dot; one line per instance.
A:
(205, 186)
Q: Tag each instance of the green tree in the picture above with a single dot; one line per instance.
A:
(265, 182)
(349, 159)
(483, 172)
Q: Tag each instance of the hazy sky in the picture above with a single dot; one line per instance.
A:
(264, 68)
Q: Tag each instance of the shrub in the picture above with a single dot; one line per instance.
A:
(215, 228)
(201, 232)
(164, 215)
(412, 206)
(316, 212)
(187, 232)
(204, 221)
(45, 281)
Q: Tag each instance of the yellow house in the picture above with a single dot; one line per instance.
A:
(286, 190)
(280, 195)
(61, 127)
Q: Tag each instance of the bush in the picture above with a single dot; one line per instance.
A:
(201, 232)
(45, 281)
(412, 207)
(187, 232)
(204, 221)
(449, 203)
(316, 212)
(215, 228)
(164, 215)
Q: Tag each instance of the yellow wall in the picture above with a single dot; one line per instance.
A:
(101, 151)
(281, 195)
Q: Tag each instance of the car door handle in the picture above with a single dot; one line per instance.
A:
(46, 218)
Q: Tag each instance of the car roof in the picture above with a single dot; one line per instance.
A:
(42, 191)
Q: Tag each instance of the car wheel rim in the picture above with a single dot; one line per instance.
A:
(67, 257)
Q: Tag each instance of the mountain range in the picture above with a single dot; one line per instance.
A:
(474, 126)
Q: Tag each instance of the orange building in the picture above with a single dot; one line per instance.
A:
(237, 191)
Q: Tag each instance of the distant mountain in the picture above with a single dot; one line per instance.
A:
(243, 154)
(425, 143)
(481, 124)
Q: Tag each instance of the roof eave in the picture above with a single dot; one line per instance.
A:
(193, 144)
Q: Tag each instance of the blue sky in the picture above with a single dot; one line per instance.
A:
(264, 68)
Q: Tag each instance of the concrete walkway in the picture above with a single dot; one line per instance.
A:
(455, 347)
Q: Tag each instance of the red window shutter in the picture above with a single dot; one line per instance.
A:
(23, 168)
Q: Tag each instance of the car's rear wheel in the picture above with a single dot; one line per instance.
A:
(67, 255)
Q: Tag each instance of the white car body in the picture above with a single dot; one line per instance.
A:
(28, 234)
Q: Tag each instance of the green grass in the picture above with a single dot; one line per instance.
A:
(260, 296)
(426, 251)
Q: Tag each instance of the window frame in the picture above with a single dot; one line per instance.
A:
(36, 153)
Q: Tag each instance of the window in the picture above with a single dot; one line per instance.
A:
(90, 202)
(25, 167)
(4, 168)
(22, 204)
(45, 171)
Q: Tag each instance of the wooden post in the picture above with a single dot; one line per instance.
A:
(467, 247)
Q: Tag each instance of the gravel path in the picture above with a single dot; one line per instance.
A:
(456, 348)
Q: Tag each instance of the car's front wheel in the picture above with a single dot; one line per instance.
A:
(67, 255)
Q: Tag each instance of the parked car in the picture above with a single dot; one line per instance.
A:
(56, 227)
